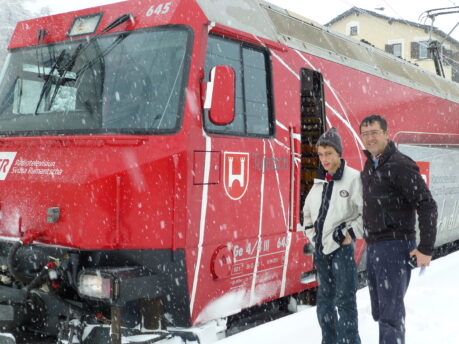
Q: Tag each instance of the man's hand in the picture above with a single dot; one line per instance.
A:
(422, 259)
(348, 239)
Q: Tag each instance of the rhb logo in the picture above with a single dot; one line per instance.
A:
(236, 174)
(6, 161)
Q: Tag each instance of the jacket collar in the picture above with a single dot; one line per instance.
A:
(388, 151)
(338, 174)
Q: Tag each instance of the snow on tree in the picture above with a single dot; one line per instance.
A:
(12, 12)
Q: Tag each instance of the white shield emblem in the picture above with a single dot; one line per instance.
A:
(236, 174)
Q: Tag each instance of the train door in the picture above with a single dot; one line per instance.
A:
(246, 173)
(312, 126)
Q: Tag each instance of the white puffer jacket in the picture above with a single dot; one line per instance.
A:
(344, 211)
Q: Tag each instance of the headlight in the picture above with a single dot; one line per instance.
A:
(94, 284)
(114, 284)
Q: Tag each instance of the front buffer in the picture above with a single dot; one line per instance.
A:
(90, 296)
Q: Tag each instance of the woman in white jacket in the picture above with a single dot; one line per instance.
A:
(332, 220)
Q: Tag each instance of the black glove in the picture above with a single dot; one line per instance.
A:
(338, 235)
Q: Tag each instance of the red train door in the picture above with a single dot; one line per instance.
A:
(245, 172)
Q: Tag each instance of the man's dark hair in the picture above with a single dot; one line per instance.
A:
(369, 120)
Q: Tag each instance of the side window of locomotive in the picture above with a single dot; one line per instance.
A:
(253, 104)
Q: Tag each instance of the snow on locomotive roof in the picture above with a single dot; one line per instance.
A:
(266, 20)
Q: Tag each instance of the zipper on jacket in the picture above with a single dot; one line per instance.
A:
(324, 206)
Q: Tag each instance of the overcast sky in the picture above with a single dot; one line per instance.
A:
(320, 11)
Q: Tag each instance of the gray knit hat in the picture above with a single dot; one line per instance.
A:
(331, 138)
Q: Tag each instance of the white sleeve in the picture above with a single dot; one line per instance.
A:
(308, 224)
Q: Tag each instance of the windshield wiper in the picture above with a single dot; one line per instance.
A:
(101, 54)
(69, 65)
(62, 71)
(120, 20)
(47, 86)
(41, 34)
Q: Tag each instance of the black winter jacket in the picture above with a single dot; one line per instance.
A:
(392, 194)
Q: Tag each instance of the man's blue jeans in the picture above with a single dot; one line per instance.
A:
(388, 279)
(336, 301)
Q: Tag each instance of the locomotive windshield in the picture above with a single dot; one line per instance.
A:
(126, 83)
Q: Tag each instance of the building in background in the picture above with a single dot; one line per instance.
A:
(404, 39)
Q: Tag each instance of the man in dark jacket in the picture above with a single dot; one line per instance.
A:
(393, 192)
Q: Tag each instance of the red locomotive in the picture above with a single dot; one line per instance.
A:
(155, 156)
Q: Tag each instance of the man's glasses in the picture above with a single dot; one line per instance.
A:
(371, 133)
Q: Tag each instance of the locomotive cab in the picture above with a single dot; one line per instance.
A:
(91, 108)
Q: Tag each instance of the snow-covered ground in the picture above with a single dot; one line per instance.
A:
(432, 304)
